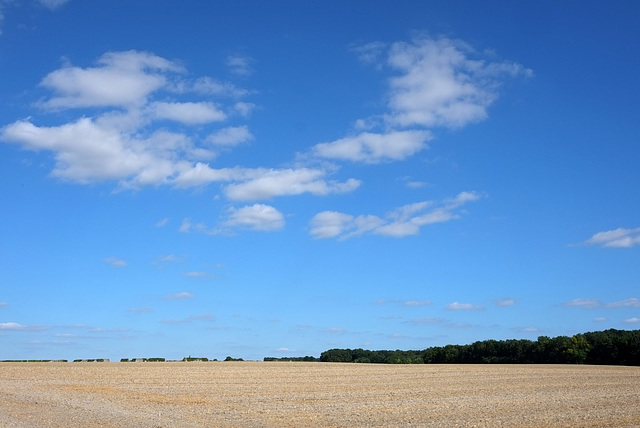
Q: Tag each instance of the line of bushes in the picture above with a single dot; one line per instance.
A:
(306, 358)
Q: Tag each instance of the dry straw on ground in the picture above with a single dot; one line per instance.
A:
(279, 394)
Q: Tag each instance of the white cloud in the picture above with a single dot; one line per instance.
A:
(632, 302)
(370, 53)
(114, 261)
(633, 320)
(456, 306)
(189, 113)
(14, 326)
(329, 224)
(122, 79)
(618, 238)
(436, 82)
(374, 148)
(240, 64)
(244, 109)
(179, 296)
(583, 303)
(84, 151)
(4, 304)
(209, 86)
(163, 222)
(231, 136)
(255, 217)
(600, 319)
(403, 221)
(416, 184)
(266, 184)
(121, 140)
(185, 227)
(440, 84)
(505, 302)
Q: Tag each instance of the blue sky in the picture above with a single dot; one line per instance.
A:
(281, 178)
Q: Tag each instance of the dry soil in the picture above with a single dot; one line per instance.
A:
(279, 394)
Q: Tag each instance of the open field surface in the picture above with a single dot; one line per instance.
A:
(280, 394)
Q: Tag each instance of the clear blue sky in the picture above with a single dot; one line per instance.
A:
(280, 178)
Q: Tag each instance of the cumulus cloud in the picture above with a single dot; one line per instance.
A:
(231, 136)
(374, 148)
(438, 81)
(443, 82)
(190, 113)
(633, 320)
(434, 82)
(121, 79)
(255, 217)
(124, 143)
(457, 306)
(617, 238)
(266, 184)
(121, 138)
(403, 221)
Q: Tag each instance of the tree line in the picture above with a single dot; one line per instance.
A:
(612, 347)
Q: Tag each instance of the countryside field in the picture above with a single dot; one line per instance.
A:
(281, 394)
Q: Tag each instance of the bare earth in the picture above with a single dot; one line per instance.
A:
(279, 394)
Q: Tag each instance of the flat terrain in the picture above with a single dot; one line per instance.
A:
(280, 394)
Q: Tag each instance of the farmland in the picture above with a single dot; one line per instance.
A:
(282, 394)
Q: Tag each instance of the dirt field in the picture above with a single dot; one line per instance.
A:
(279, 394)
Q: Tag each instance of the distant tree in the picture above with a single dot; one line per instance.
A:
(336, 356)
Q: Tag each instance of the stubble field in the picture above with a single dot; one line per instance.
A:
(280, 394)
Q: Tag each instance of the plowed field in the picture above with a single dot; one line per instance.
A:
(279, 394)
